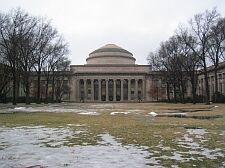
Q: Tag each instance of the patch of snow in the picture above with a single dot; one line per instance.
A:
(176, 156)
(48, 109)
(38, 109)
(89, 113)
(216, 106)
(77, 125)
(212, 154)
(153, 114)
(114, 113)
(166, 148)
(195, 148)
(187, 142)
(104, 106)
(223, 165)
(135, 110)
(174, 166)
(25, 149)
(184, 114)
(198, 132)
(19, 108)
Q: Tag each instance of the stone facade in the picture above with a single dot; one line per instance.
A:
(211, 79)
(110, 75)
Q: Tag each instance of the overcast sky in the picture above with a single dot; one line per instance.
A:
(135, 25)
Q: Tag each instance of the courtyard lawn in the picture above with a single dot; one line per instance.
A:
(112, 135)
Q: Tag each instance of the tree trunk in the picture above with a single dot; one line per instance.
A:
(175, 94)
(14, 87)
(193, 86)
(46, 91)
(27, 91)
(206, 84)
(39, 86)
(216, 84)
(182, 91)
(53, 88)
(168, 91)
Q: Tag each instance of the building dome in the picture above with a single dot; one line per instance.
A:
(110, 54)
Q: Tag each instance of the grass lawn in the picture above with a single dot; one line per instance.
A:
(182, 135)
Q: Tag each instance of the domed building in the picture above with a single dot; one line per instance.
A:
(111, 54)
(110, 75)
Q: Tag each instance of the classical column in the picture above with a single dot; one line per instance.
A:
(136, 89)
(129, 87)
(77, 92)
(99, 90)
(107, 90)
(121, 94)
(85, 89)
(92, 90)
(114, 90)
(143, 90)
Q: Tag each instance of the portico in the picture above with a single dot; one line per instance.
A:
(110, 75)
(111, 89)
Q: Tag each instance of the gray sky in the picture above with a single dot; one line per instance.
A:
(135, 25)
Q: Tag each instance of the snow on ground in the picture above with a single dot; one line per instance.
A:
(45, 147)
(133, 111)
(89, 113)
(153, 114)
(196, 151)
(183, 114)
(78, 110)
(195, 147)
(25, 146)
(116, 112)
(105, 106)
(48, 109)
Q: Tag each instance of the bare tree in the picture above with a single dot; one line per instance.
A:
(175, 59)
(190, 61)
(169, 61)
(62, 83)
(9, 37)
(158, 64)
(216, 50)
(57, 56)
(200, 29)
(27, 45)
(5, 76)
(46, 35)
(26, 42)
